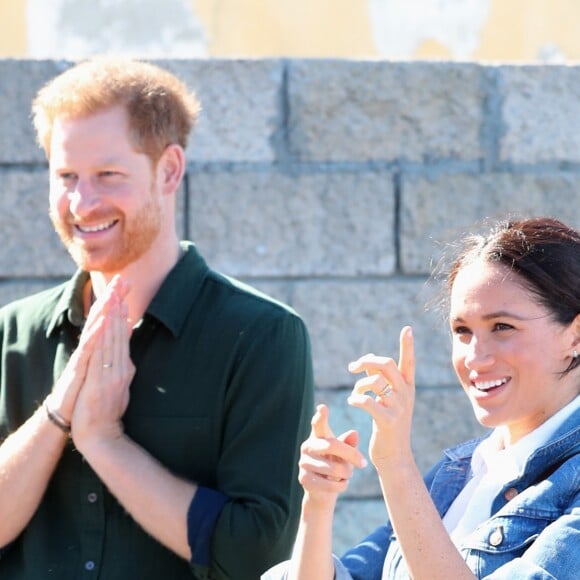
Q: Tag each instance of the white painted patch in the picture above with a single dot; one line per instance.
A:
(400, 26)
(74, 29)
(551, 53)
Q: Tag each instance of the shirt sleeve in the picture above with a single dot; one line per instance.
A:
(268, 407)
(280, 571)
(201, 519)
(365, 561)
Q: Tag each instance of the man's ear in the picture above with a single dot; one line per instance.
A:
(170, 168)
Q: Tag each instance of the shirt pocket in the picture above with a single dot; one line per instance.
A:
(501, 539)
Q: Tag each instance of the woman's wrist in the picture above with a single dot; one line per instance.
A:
(319, 505)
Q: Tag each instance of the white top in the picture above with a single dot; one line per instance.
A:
(492, 466)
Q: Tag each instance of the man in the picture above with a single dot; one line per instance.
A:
(163, 442)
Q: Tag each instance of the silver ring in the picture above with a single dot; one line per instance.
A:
(386, 392)
(108, 365)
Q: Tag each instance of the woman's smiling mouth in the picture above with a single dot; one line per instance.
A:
(488, 385)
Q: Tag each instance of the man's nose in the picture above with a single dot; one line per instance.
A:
(84, 198)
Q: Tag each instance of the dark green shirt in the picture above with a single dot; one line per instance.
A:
(222, 396)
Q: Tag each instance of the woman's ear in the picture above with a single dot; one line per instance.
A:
(575, 327)
(170, 168)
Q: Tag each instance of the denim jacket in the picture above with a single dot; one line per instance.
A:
(534, 532)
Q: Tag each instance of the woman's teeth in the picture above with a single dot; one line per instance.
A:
(485, 385)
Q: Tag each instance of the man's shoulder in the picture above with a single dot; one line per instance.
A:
(245, 297)
(37, 307)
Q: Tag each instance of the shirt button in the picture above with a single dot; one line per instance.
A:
(89, 565)
(510, 493)
(496, 537)
(92, 497)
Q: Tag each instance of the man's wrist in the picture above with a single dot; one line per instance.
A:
(56, 418)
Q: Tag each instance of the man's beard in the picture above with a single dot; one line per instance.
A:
(137, 237)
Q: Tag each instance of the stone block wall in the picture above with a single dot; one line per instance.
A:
(332, 185)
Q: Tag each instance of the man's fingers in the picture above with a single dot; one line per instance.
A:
(115, 292)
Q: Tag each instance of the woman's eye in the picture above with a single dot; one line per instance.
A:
(460, 330)
(502, 326)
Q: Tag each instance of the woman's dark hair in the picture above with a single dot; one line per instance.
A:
(542, 251)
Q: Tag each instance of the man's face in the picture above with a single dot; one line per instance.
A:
(104, 201)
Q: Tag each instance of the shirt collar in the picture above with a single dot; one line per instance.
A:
(489, 456)
(169, 306)
(70, 304)
(178, 291)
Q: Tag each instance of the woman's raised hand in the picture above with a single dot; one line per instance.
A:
(391, 403)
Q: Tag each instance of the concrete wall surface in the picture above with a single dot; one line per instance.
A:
(332, 185)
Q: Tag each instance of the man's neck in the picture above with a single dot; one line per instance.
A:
(144, 276)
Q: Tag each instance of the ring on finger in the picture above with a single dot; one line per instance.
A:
(108, 365)
(386, 391)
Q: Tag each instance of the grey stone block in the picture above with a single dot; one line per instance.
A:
(354, 520)
(20, 80)
(30, 247)
(361, 111)
(272, 224)
(280, 290)
(541, 106)
(241, 102)
(241, 107)
(347, 319)
(15, 289)
(438, 210)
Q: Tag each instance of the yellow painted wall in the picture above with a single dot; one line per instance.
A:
(301, 28)
(12, 28)
(516, 30)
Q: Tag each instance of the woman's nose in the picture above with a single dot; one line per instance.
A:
(478, 354)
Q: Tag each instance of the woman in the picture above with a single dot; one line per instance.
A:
(506, 506)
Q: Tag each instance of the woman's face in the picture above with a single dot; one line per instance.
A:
(508, 351)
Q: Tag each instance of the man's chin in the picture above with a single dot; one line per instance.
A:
(90, 263)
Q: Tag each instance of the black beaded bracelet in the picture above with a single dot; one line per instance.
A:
(56, 419)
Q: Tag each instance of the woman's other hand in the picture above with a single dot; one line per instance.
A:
(327, 462)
